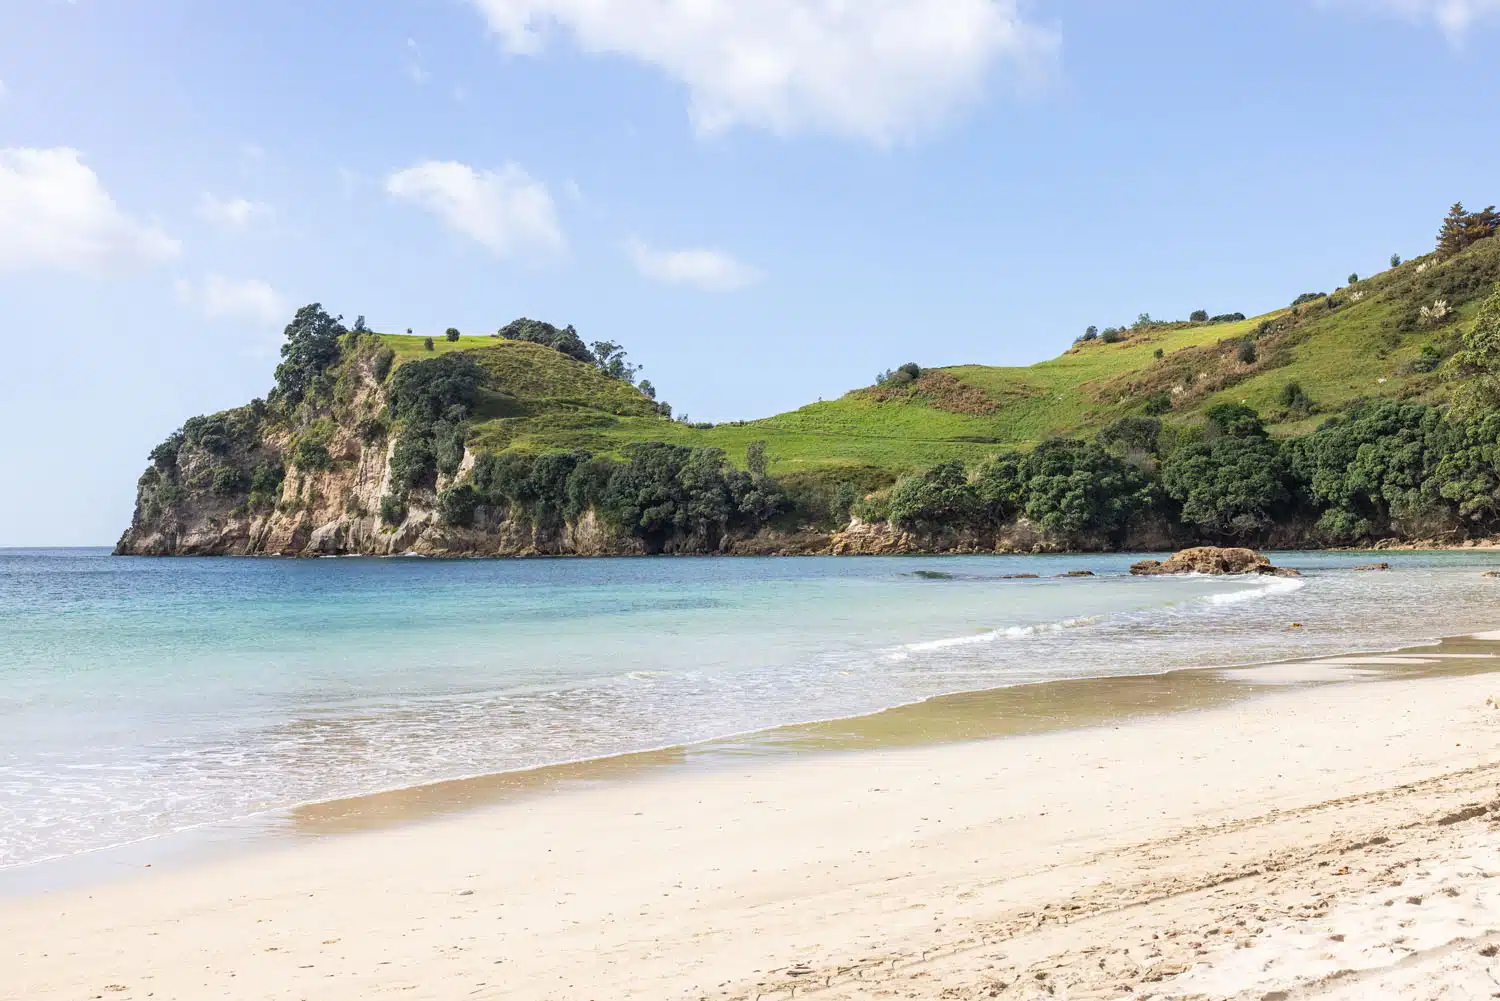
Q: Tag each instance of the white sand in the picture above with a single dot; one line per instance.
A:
(1209, 854)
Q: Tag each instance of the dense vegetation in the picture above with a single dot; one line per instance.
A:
(1351, 415)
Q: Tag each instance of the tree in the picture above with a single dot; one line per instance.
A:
(1230, 486)
(755, 458)
(1075, 488)
(1246, 352)
(1354, 278)
(311, 349)
(1199, 316)
(1091, 333)
(940, 497)
(1395, 260)
(428, 344)
(564, 340)
(1460, 229)
(452, 334)
(609, 358)
(1478, 363)
(646, 387)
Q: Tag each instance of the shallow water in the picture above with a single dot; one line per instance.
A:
(141, 697)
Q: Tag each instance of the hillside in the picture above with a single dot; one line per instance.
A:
(493, 445)
(1368, 345)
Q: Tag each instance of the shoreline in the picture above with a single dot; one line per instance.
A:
(930, 867)
(998, 713)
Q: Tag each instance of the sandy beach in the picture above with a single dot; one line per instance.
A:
(1331, 841)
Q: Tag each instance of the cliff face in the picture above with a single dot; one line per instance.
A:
(255, 482)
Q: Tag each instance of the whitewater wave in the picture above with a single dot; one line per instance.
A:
(1274, 586)
(994, 635)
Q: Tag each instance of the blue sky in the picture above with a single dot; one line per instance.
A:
(767, 202)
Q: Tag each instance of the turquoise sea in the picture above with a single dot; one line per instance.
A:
(143, 697)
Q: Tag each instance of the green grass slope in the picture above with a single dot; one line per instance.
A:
(1360, 342)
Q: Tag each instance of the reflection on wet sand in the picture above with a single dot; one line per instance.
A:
(1003, 712)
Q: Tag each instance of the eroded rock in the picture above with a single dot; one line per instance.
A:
(1213, 561)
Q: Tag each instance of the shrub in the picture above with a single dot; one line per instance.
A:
(427, 343)
(228, 481)
(1428, 361)
(1227, 318)
(1436, 314)
(873, 507)
(456, 506)
(265, 484)
(1246, 352)
(412, 463)
(1158, 403)
(452, 334)
(1090, 334)
(392, 509)
(1395, 260)
(1199, 316)
(381, 366)
(372, 429)
(1112, 335)
(1307, 297)
(1158, 354)
(311, 448)
(213, 434)
(427, 390)
(448, 443)
(1354, 279)
(1292, 397)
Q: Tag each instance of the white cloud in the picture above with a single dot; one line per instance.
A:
(230, 213)
(56, 214)
(413, 65)
(712, 270)
(221, 298)
(506, 210)
(1453, 16)
(876, 69)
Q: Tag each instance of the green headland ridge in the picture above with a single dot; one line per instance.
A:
(1368, 414)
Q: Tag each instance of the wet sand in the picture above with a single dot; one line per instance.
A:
(968, 716)
(974, 846)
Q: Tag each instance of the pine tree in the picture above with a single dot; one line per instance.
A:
(1460, 228)
(1451, 236)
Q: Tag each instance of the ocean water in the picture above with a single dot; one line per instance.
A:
(144, 697)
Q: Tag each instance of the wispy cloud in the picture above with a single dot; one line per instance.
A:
(875, 69)
(57, 215)
(710, 270)
(413, 63)
(506, 210)
(230, 213)
(217, 297)
(1454, 17)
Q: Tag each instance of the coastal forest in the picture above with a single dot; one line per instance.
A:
(1362, 415)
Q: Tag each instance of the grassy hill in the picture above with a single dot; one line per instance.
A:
(1362, 341)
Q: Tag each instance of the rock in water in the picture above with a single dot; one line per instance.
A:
(1375, 566)
(1212, 560)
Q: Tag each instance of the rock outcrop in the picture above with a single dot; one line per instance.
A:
(1214, 561)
